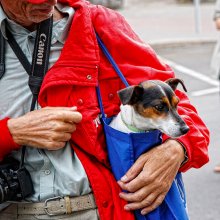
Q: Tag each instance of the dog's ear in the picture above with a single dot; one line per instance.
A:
(130, 95)
(173, 83)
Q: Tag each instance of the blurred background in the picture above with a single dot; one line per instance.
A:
(183, 33)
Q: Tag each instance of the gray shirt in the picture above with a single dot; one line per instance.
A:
(54, 173)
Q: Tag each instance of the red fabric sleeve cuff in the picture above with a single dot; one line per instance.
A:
(7, 143)
(185, 142)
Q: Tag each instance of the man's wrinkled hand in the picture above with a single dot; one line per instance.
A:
(47, 128)
(149, 179)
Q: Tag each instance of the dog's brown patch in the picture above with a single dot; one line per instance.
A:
(166, 102)
(174, 101)
(150, 112)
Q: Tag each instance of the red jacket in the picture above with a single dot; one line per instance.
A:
(72, 81)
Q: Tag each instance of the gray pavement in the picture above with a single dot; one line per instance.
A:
(165, 20)
(170, 29)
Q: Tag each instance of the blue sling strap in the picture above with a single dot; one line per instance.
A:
(124, 149)
(111, 60)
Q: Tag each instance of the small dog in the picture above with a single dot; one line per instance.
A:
(150, 105)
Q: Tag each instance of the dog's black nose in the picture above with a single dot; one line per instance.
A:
(184, 129)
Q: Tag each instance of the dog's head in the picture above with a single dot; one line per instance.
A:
(155, 105)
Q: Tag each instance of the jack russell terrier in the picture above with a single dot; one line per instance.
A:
(150, 105)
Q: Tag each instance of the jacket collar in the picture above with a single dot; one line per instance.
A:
(81, 48)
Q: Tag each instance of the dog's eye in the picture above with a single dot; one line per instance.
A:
(159, 107)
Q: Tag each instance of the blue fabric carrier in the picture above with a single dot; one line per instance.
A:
(124, 149)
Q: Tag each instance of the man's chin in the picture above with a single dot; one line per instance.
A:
(41, 17)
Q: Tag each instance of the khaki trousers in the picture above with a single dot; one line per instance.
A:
(11, 213)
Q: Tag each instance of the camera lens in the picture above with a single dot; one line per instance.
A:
(15, 182)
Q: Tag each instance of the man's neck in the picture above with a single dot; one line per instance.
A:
(57, 15)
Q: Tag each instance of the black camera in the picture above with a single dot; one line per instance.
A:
(15, 182)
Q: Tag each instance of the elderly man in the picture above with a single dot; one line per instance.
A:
(66, 154)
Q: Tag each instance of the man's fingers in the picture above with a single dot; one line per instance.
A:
(73, 108)
(68, 114)
(147, 202)
(51, 145)
(139, 195)
(134, 170)
(65, 115)
(60, 137)
(76, 117)
(142, 180)
(147, 205)
(61, 126)
(154, 205)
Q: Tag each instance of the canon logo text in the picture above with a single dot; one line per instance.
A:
(40, 52)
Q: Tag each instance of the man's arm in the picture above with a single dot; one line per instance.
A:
(197, 139)
(48, 128)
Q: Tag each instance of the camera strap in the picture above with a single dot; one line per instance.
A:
(40, 61)
(2, 55)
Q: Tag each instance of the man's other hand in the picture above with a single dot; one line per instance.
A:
(47, 128)
(149, 179)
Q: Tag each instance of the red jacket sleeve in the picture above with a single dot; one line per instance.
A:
(138, 61)
(7, 143)
(196, 141)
